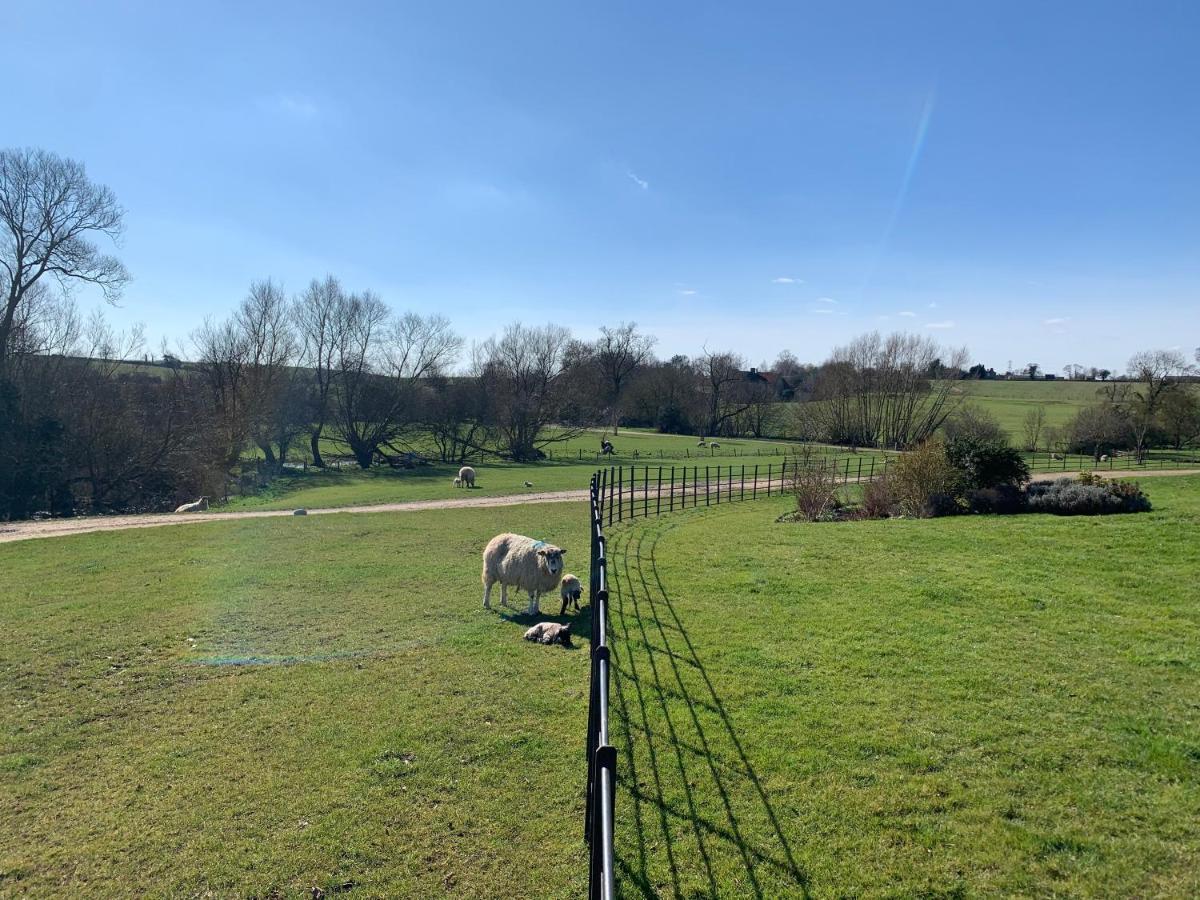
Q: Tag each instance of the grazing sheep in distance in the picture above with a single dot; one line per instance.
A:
(200, 505)
(1057, 456)
(457, 481)
(1103, 457)
(466, 477)
(702, 443)
(529, 484)
(571, 591)
(550, 633)
(517, 561)
(714, 445)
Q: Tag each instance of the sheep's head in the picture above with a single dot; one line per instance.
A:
(564, 635)
(552, 558)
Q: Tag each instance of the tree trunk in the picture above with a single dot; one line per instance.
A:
(314, 442)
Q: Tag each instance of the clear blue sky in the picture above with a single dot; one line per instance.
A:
(1022, 178)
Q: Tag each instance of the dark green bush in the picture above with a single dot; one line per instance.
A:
(986, 464)
(1003, 500)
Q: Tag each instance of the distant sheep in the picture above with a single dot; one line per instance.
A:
(200, 505)
(521, 562)
(1103, 457)
(702, 443)
(1057, 456)
(529, 484)
(466, 477)
(571, 591)
(550, 633)
(714, 445)
(606, 447)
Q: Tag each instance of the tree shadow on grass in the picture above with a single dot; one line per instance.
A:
(664, 713)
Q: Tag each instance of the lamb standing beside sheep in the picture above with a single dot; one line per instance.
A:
(521, 562)
(200, 505)
(571, 591)
(466, 477)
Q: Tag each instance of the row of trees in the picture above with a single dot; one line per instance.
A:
(281, 376)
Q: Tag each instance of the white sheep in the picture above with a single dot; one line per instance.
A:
(529, 484)
(1057, 456)
(702, 443)
(200, 505)
(571, 591)
(521, 562)
(466, 477)
(457, 481)
(1104, 457)
(550, 633)
(714, 445)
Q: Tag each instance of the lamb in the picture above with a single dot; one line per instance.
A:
(571, 591)
(521, 562)
(550, 633)
(466, 477)
(200, 505)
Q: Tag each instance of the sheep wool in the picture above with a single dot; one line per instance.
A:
(466, 477)
(514, 560)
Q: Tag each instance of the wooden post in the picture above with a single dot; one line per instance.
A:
(770, 466)
(754, 487)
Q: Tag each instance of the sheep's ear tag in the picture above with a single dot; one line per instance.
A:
(538, 545)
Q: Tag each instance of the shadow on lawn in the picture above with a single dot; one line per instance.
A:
(661, 705)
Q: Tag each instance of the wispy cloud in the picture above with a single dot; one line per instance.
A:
(826, 300)
(1058, 320)
(948, 323)
(822, 311)
(908, 314)
(297, 106)
(785, 279)
(933, 305)
(640, 182)
(687, 292)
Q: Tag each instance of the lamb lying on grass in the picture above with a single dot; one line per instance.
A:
(200, 505)
(521, 562)
(550, 633)
(571, 591)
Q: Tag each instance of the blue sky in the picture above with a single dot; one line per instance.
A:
(1022, 178)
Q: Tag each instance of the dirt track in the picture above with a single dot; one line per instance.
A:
(22, 531)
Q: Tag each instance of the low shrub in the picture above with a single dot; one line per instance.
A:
(1003, 500)
(815, 486)
(919, 475)
(1090, 496)
(878, 499)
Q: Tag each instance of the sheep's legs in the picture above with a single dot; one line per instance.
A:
(487, 595)
(504, 595)
(533, 604)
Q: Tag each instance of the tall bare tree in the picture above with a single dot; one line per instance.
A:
(49, 212)
(320, 316)
(724, 388)
(272, 414)
(618, 353)
(1154, 374)
(1035, 422)
(524, 373)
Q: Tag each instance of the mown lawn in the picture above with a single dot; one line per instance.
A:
(258, 708)
(947, 708)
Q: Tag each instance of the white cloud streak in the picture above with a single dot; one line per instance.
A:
(948, 323)
(640, 182)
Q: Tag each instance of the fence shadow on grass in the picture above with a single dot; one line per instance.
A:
(662, 709)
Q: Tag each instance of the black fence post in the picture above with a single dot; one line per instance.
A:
(658, 494)
(706, 503)
(754, 487)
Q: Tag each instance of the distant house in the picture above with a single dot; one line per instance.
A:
(782, 386)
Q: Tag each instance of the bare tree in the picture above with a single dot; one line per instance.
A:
(618, 353)
(273, 418)
(379, 361)
(320, 315)
(1179, 414)
(1035, 421)
(724, 388)
(876, 391)
(222, 359)
(523, 374)
(48, 212)
(1154, 373)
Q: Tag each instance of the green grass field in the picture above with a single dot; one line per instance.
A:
(938, 708)
(1011, 401)
(346, 711)
(351, 486)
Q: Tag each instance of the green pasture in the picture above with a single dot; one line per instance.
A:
(975, 706)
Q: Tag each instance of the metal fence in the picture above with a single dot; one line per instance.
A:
(601, 755)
